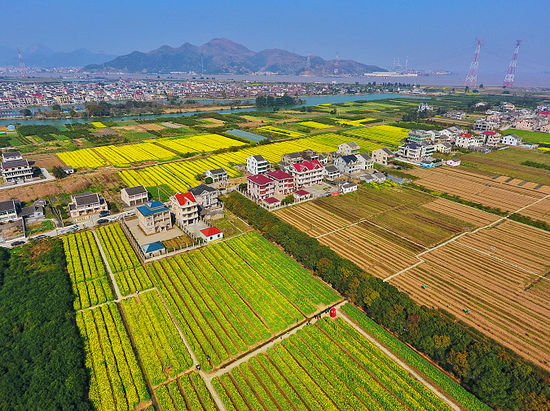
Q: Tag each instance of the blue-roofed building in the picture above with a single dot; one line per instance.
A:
(154, 217)
(246, 135)
(153, 249)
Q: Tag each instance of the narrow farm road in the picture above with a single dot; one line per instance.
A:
(104, 256)
(398, 361)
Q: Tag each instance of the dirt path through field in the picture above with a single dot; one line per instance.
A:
(398, 361)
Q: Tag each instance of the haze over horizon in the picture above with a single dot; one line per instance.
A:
(431, 35)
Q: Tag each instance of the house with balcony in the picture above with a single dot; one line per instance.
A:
(206, 196)
(185, 208)
(86, 204)
(511, 140)
(466, 140)
(260, 186)
(257, 164)
(219, 174)
(331, 172)
(283, 182)
(347, 149)
(15, 168)
(443, 147)
(306, 173)
(415, 151)
(9, 210)
(490, 138)
(134, 196)
(154, 217)
(383, 156)
(348, 164)
(367, 163)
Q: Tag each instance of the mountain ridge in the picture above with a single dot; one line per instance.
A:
(224, 56)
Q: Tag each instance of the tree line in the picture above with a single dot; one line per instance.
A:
(270, 101)
(42, 358)
(495, 374)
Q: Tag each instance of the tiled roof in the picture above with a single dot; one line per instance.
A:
(184, 198)
(260, 179)
(302, 192)
(307, 165)
(271, 200)
(279, 175)
(208, 232)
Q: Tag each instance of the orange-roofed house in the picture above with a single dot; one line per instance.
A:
(185, 207)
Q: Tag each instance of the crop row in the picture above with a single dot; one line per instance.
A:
(326, 366)
(314, 124)
(337, 139)
(198, 143)
(384, 134)
(281, 131)
(293, 281)
(120, 254)
(353, 123)
(133, 153)
(187, 393)
(83, 257)
(132, 280)
(416, 360)
(116, 379)
(82, 158)
(91, 293)
(161, 348)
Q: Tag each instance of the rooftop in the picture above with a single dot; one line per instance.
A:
(184, 198)
(271, 200)
(349, 159)
(151, 208)
(7, 205)
(86, 198)
(218, 171)
(149, 248)
(197, 191)
(260, 179)
(15, 163)
(132, 191)
(208, 232)
(302, 193)
(279, 175)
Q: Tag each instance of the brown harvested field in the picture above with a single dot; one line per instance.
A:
(311, 219)
(152, 126)
(498, 295)
(539, 211)
(137, 129)
(486, 192)
(376, 251)
(476, 218)
(47, 161)
(518, 244)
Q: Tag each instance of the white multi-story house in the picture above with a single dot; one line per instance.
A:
(466, 140)
(490, 138)
(133, 196)
(331, 172)
(526, 124)
(367, 163)
(257, 164)
(415, 151)
(8, 210)
(86, 203)
(347, 149)
(348, 164)
(185, 207)
(383, 156)
(206, 196)
(219, 174)
(443, 147)
(154, 217)
(306, 173)
(511, 140)
(484, 125)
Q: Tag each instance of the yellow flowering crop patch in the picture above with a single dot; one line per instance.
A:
(98, 124)
(134, 153)
(82, 158)
(198, 143)
(314, 124)
(280, 131)
(353, 123)
(384, 134)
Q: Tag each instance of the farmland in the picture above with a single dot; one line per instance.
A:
(161, 348)
(314, 124)
(498, 274)
(383, 134)
(223, 311)
(116, 379)
(352, 123)
(328, 365)
(198, 143)
(82, 158)
(87, 272)
(187, 393)
(281, 131)
(120, 254)
(123, 156)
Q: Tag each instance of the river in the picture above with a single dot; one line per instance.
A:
(310, 101)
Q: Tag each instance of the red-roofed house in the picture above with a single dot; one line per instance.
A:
(211, 234)
(544, 114)
(271, 202)
(490, 138)
(185, 207)
(284, 182)
(260, 186)
(301, 195)
(306, 173)
(466, 140)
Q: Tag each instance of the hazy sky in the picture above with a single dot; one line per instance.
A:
(433, 34)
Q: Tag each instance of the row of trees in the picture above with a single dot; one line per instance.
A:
(270, 101)
(491, 372)
(41, 351)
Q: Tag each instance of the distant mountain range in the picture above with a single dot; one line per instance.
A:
(223, 56)
(39, 55)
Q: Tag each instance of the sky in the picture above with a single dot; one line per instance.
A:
(432, 34)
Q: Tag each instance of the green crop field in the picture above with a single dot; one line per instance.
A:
(532, 137)
(229, 296)
(383, 134)
(330, 366)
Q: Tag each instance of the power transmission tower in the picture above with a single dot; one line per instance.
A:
(336, 64)
(509, 78)
(22, 67)
(471, 78)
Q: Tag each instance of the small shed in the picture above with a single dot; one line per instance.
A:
(348, 188)
(153, 249)
(453, 162)
(211, 234)
(271, 202)
(301, 195)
